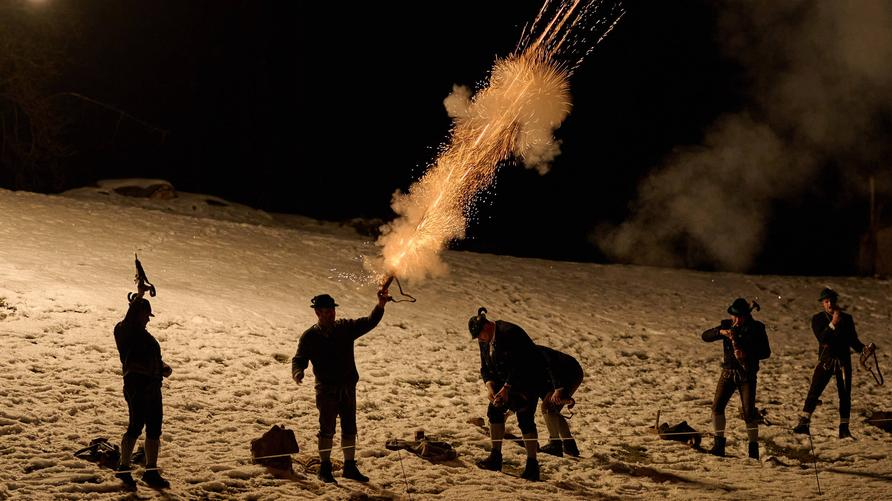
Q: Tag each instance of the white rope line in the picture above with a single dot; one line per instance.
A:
(272, 456)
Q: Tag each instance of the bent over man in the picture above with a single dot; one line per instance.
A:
(565, 377)
(328, 345)
(513, 369)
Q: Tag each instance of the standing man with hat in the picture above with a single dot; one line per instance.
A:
(835, 331)
(329, 346)
(143, 371)
(513, 370)
(744, 343)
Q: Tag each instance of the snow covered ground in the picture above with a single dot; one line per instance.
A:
(233, 297)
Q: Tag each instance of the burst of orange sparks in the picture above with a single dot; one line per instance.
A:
(436, 209)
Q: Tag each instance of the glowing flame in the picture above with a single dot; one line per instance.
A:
(514, 115)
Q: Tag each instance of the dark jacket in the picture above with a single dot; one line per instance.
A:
(140, 353)
(331, 350)
(564, 371)
(749, 337)
(512, 358)
(835, 344)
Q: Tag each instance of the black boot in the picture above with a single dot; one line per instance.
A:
(123, 473)
(531, 471)
(325, 473)
(844, 431)
(553, 447)
(154, 479)
(493, 462)
(352, 472)
(802, 427)
(718, 447)
(570, 448)
(754, 450)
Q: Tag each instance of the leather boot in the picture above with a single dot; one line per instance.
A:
(553, 447)
(123, 473)
(718, 447)
(754, 450)
(844, 431)
(493, 462)
(154, 479)
(803, 427)
(531, 471)
(352, 472)
(570, 448)
(325, 473)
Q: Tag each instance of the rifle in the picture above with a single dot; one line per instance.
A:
(142, 282)
(739, 354)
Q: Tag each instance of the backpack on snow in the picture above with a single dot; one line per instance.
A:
(278, 442)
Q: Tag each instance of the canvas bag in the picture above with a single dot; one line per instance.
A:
(278, 440)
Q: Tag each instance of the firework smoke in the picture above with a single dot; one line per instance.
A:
(514, 115)
(820, 98)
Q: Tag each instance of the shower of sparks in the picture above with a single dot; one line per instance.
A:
(513, 116)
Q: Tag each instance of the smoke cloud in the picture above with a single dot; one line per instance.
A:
(821, 95)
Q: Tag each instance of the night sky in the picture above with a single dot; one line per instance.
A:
(325, 109)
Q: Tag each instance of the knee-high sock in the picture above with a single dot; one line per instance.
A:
(497, 434)
(552, 422)
(152, 447)
(564, 427)
(348, 443)
(127, 445)
(752, 432)
(531, 443)
(718, 424)
(325, 448)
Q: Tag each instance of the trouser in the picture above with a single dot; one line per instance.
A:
(823, 372)
(144, 406)
(729, 382)
(570, 388)
(335, 400)
(523, 403)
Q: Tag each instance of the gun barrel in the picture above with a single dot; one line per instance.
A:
(387, 282)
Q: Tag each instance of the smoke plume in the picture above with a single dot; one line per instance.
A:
(822, 89)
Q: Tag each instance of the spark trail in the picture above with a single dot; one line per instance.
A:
(514, 115)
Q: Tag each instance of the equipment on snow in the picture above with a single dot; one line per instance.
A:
(100, 451)
(880, 419)
(274, 448)
(434, 451)
(681, 432)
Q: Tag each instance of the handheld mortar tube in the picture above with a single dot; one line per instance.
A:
(388, 279)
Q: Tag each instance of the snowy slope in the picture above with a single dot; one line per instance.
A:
(234, 297)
